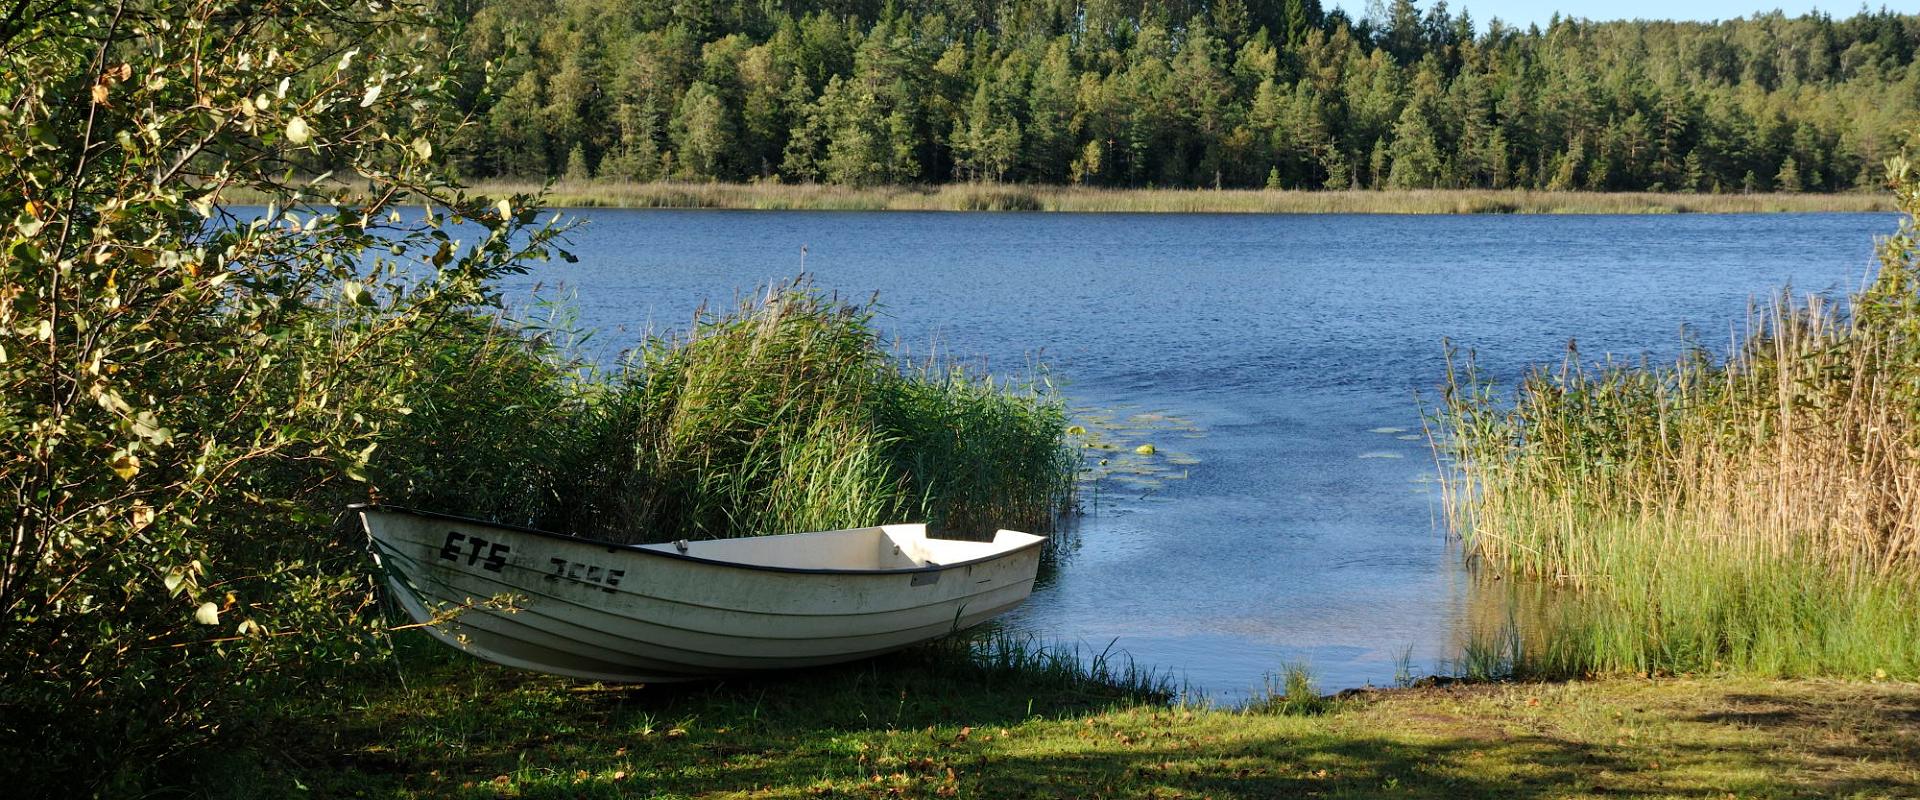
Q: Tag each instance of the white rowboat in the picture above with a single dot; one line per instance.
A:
(689, 610)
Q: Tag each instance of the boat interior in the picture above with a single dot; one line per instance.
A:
(883, 547)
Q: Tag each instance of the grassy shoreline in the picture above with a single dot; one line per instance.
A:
(1011, 197)
(439, 725)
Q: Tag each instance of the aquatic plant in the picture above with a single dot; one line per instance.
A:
(789, 414)
(1291, 692)
(1756, 511)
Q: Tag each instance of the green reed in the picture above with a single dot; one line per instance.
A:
(1291, 692)
(1754, 512)
(789, 414)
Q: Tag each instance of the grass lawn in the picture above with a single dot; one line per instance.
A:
(925, 724)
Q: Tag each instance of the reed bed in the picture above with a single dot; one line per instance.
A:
(789, 414)
(1017, 197)
(1757, 511)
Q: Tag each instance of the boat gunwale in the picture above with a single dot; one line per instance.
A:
(446, 597)
(644, 549)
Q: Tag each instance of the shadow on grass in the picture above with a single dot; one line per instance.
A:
(918, 724)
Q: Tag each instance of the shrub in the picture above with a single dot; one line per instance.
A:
(182, 388)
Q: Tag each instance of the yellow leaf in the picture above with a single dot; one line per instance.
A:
(100, 94)
(110, 400)
(142, 516)
(207, 614)
(126, 466)
(297, 131)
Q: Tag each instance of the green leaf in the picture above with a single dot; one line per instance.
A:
(147, 427)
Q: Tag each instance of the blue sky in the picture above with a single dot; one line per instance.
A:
(1519, 14)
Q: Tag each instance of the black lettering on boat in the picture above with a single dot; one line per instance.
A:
(492, 556)
(496, 557)
(593, 575)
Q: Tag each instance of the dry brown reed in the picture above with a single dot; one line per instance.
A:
(1017, 197)
(1763, 506)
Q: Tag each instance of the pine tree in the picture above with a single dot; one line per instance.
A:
(1339, 170)
(1694, 173)
(1567, 168)
(1087, 166)
(1404, 36)
(1788, 179)
(1416, 159)
(1377, 164)
(577, 165)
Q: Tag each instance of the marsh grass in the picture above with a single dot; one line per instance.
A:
(1754, 512)
(789, 414)
(1020, 197)
(1290, 692)
(997, 654)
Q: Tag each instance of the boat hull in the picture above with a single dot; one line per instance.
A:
(658, 613)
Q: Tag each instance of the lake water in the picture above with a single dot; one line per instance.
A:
(1277, 363)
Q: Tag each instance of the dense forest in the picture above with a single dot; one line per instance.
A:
(1223, 93)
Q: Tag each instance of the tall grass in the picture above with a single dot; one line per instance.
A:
(1290, 692)
(1754, 512)
(503, 429)
(789, 414)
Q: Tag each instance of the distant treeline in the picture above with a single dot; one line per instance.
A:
(1230, 93)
